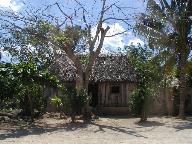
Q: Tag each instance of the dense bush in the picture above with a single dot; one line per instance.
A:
(72, 101)
(21, 86)
(147, 71)
(141, 99)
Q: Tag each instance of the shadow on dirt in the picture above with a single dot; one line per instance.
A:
(150, 124)
(38, 130)
(125, 130)
(182, 125)
(41, 128)
(49, 128)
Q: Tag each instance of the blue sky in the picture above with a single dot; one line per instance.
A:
(116, 43)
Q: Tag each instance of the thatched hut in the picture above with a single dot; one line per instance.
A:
(111, 82)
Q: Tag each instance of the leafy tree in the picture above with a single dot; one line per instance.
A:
(148, 74)
(40, 29)
(8, 86)
(167, 26)
(25, 81)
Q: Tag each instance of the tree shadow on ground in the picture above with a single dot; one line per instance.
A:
(125, 130)
(185, 124)
(34, 129)
(189, 119)
(37, 130)
(150, 124)
(179, 124)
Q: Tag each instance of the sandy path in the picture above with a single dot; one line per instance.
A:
(119, 130)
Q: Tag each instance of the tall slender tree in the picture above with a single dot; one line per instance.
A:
(167, 25)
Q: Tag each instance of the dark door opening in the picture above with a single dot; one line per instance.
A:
(93, 91)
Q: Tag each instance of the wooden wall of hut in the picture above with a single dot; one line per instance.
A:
(118, 98)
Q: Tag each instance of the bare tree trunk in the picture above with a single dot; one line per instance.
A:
(31, 107)
(183, 83)
(82, 82)
(165, 97)
(143, 116)
(87, 111)
(144, 111)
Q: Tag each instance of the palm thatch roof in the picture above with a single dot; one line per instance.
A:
(113, 68)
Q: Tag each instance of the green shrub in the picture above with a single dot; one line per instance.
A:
(56, 100)
(141, 99)
(71, 101)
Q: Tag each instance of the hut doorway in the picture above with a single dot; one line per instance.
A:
(93, 91)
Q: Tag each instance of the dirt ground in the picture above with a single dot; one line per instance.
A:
(105, 130)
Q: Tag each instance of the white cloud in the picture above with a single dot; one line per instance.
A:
(10, 4)
(135, 41)
(114, 43)
(5, 56)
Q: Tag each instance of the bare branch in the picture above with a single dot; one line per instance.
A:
(120, 9)
(94, 55)
(125, 20)
(69, 17)
(99, 26)
(117, 34)
(81, 6)
(84, 19)
(109, 7)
